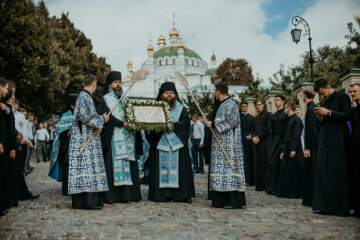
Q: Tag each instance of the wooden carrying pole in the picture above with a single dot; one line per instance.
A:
(206, 121)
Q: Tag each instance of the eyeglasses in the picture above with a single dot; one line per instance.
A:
(258, 104)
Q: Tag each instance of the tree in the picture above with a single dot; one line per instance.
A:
(236, 72)
(254, 89)
(205, 101)
(47, 57)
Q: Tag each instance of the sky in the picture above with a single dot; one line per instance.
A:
(256, 30)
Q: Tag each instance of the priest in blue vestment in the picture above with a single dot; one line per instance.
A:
(119, 146)
(169, 162)
(227, 185)
(59, 159)
(87, 176)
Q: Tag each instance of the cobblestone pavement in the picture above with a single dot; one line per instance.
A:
(264, 217)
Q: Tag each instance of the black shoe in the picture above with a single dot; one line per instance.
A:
(14, 205)
(202, 172)
(96, 208)
(31, 168)
(33, 196)
(3, 212)
(25, 174)
(37, 161)
(197, 171)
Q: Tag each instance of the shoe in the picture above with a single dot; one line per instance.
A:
(33, 196)
(202, 172)
(14, 205)
(31, 168)
(3, 212)
(37, 161)
(96, 208)
(197, 171)
(25, 174)
(228, 207)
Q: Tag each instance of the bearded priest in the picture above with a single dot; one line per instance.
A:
(170, 167)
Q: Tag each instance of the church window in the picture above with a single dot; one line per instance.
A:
(193, 62)
(166, 62)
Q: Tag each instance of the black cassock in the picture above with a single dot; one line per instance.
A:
(63, 157)
(128, 193)
(310, 143)
(290, 183)
(331, 181)
(247, 124)
(262, 129)
(13, 164)
(4, 161)
(186, 188)
(355, 161)
(278, 128)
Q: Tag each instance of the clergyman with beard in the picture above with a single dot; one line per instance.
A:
(118, 146)
(169, 161)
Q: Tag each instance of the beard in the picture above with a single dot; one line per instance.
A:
(171, 101)
(118, 91)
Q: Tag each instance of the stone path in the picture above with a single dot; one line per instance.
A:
(265, 217)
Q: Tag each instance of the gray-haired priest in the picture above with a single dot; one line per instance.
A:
(227, 185)
(169, 161)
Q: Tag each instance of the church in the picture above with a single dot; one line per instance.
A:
(172, 56)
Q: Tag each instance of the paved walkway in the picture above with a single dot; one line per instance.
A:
(265, 217)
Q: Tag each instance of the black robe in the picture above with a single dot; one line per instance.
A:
(14, 164)
(262, 129)
(310, 142)
(355, 160)
(278, 128)
(4, 168)
(290, 183)
(331, 183)
(63, 157)
(129, 193)
(247, 124)
(186, 188)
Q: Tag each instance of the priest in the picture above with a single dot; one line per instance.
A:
(310, 143)
(169, 161)
(226, 183)
(331, 183)
(261, 147)
(87, 176)
(278, 127)
(355, 146)
(59, 158)
(118, 146)
(290, 183)
(247, 124)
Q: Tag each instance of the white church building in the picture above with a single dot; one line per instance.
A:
(170, 58)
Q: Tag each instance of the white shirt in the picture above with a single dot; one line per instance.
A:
(29, 134)
(199, 131)
(19, 122)
(41, 135)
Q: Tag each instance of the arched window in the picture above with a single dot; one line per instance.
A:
(173, 61)
(159, 62)
(193, 62)
(166, 62)
(186, 61)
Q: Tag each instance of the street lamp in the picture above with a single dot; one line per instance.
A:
(296, 35)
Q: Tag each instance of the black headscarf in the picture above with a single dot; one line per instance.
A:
(111, 77)
(167, 86)
(71, 101)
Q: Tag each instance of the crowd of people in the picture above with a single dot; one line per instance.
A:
(16, 144)
(315, 157)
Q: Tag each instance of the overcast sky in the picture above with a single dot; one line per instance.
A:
(257, 30)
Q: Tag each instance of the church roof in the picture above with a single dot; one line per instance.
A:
(173, 51)
(211, 72)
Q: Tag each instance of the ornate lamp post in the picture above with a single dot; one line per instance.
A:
(296, 35)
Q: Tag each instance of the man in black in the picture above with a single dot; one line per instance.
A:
(261, 139)
(126, 190)
(290, 183)
(278, 128)
(331, 183)
(310, 142)
(247, 124)
(355, 146)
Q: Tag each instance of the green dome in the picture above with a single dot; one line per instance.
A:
(173, 51)
(211, 71)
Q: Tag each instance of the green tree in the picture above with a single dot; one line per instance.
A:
(236, 72)
(254, 89)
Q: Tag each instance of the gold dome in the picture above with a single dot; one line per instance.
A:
(213, 57)
(174, 32)
(161, 41)
(180, 46)
(150, 48)
(161, 38)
